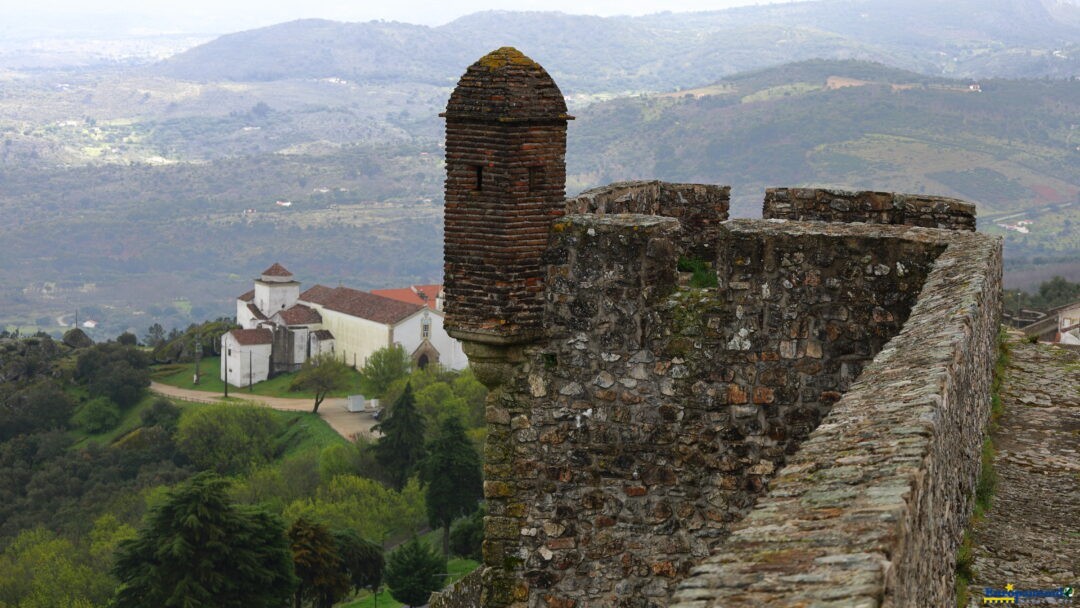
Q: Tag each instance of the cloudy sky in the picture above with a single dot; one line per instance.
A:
(125, 17)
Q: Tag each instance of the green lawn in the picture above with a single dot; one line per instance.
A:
(181, 376)
(457, 568)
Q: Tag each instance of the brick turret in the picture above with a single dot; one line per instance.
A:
(505, 184)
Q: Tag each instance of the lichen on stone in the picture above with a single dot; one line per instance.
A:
(504, 56)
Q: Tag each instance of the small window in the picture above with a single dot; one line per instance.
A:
(478, 177)
(536, 178)
(425, 329)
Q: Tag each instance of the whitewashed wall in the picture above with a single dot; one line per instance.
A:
(354, 338)
(244, 368)
(408, 333)
(271, 298)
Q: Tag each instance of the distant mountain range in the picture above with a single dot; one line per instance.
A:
(958, 38)
(1009, 145)
(150, 192)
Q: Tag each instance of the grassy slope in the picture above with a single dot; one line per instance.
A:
(182, 376)
(301, 431)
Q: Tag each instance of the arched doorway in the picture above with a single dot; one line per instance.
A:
(425, 355)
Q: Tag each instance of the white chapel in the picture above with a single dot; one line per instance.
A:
(280, 327)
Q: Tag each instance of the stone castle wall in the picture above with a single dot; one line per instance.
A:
(699, 208)
(830, 205)
(870, 510)
(651, 418)
(463, 594)
(634, 422)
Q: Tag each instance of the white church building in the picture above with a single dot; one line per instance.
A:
(281, 327)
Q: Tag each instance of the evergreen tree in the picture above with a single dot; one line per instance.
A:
(362, 559)
(413, 571)
(451, 472)
(321, 573)
(199, 549)
(400, 450)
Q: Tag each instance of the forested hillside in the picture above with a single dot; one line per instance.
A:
(93, 468)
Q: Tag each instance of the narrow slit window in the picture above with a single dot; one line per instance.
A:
(536, 178)
(478, 177)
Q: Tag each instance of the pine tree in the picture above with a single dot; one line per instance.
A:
(413, 571)
(453, 478)
(401, 447)
(199, 549)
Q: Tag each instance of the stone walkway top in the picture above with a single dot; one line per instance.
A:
(1030, 538)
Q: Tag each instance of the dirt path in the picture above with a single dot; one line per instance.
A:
(333, 411)
(1030, 538)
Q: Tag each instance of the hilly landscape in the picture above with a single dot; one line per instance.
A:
(151, 193)
(966, 38)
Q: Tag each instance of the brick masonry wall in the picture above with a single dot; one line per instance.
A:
(505, 183)
(830, 205)
(700, 208)
(870, 510)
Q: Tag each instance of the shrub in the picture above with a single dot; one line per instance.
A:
(467, 536)
(161, 413)
(228, 439)
(98, 415)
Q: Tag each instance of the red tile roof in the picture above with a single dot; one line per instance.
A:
(361, 304)
(316, 293)
(424, 295)
(298, 314)
(252, 337)
(324, 334)
(255, 312)
(247, 296)
(277, 270)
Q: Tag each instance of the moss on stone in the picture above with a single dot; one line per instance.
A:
(502, 57)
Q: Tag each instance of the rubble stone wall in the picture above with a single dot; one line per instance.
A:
(870, 510)
(700, 208)
(465, 593)
(623, 446)
(831, 205)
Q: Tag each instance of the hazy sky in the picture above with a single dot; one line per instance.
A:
(70, 17)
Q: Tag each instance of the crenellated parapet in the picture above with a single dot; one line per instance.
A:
(700, 208)
(832, 205)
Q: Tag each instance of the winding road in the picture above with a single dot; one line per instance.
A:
(347, 424)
